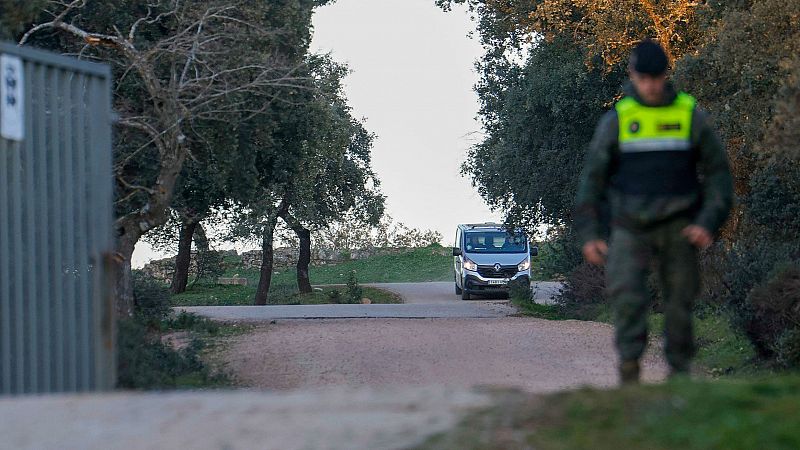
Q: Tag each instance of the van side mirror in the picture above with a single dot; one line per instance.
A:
(456, 251)
(535, 251)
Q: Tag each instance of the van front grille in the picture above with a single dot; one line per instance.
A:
(490, 272)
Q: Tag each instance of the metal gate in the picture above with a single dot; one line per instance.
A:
(56, 311)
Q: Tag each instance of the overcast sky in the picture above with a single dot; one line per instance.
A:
(412, 80)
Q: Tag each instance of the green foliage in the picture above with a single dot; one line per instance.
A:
(147, 363)
(558, 256)
(762, 413)
(539, 119)
(334, 296)
(144, 361)
(354, 291)
(210, 265)
(774, 325)
(584, 295)
(151, 300)
(529, 308)
(16, 16)
(520, 290)
(193, 322)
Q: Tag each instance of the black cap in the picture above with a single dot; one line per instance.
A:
(648, 57)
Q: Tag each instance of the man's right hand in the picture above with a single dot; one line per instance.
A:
(595, 252)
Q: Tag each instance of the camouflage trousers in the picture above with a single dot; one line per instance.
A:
(632, 254)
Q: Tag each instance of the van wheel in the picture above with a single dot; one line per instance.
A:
(465, 294)
(458, 290)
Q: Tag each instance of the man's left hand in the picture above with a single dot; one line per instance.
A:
(698, 236)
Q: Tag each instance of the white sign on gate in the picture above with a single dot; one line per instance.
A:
(12, 101)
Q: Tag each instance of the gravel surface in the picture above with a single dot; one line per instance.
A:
(338, 418)
(532, 354)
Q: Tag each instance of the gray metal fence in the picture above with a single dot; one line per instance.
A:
(56, 324)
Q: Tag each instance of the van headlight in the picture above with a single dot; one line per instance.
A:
(524, 265)
(470, 265)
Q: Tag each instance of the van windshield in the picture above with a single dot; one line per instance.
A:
(494, 242)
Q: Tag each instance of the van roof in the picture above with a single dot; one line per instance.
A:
(487, 225)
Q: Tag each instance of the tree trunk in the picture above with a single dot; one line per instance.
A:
(183, 260)
(265, 278)
(132, 226)
(304, 258)
(123, 275)
(303, 261)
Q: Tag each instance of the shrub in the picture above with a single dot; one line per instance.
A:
(210, 265)
(584, 295)
(774, 325)
(520, 290)
(144, 362)
(558, 256)
(193, 322)
(354, 292)
(151, 300)
(335, 296)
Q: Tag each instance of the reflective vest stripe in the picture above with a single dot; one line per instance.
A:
(655, 145)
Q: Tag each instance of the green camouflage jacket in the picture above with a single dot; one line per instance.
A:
(708, 207)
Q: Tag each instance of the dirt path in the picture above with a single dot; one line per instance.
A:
(533, 354)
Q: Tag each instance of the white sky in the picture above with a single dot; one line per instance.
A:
(412, 80)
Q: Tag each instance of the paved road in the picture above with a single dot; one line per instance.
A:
(422, 300)
(444, 292)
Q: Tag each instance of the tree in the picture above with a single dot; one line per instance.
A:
(15, 16)
(538, 120)
(175, 63)
(327, 174)
(605, 28)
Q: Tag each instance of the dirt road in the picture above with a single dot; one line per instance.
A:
(533, 354)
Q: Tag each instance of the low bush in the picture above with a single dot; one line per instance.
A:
(151, 300)
(584, 295)
(354, 291)
(334, 296)
(193, 322)
(144, 361)
(775, 323)
(520, 290)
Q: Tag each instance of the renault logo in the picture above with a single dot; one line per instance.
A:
(497, 267)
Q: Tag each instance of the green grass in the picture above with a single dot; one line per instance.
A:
(432, 263)
(227, 295)
(729, 414)
(721, 350)
(529, 308)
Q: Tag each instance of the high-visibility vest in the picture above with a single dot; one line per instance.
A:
(656, 155)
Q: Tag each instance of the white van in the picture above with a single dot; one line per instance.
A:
(486, 258)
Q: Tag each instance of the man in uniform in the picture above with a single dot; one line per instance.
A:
(657, 162)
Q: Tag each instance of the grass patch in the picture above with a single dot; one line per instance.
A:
(228, 295)
(723, 414)
(721, 350)
(530, 308)
(433, 263)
